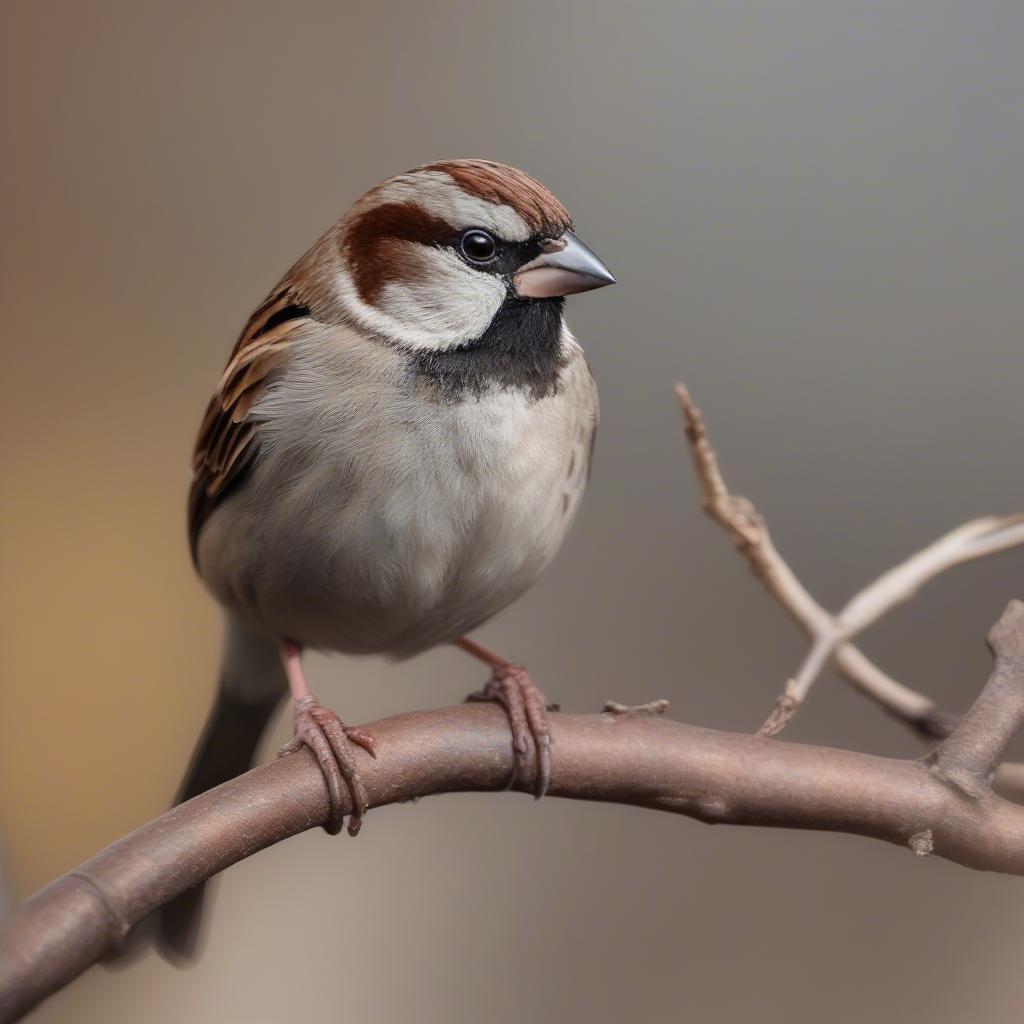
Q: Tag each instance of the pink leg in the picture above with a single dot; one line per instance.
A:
(511, 686)
(330, 739)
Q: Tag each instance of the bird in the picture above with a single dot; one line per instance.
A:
(394, 453)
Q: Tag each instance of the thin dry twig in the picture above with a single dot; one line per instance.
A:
(941, 805)
(830, 634)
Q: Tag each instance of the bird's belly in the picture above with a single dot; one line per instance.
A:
(412, 548)
(402, 584)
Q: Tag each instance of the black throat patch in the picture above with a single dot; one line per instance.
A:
(522, 348)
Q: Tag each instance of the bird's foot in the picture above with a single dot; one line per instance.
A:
(331, 741)
(527, 707)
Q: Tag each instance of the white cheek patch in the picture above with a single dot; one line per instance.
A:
(436, 193)
(447, 305)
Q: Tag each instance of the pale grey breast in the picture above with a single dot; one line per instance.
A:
(378, 518)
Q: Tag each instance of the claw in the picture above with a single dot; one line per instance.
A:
(512, 687)
(331, 741)
(363, 738)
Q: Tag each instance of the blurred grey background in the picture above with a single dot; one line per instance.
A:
(814, 211)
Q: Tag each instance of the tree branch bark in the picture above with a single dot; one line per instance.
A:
(628, 756)
(942, 804)
(971, 754)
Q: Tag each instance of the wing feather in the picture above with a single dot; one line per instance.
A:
(227, 444)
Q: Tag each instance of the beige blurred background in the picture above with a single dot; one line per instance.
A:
(815, 213)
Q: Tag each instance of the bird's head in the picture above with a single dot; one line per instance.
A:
(429, 258)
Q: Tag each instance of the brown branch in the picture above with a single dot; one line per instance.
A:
(830, 634)
(971, 754)
(630, 756)
(943, 804)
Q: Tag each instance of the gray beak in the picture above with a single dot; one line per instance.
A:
(565, 267)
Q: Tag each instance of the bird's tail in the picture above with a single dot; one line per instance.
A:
(252, 683)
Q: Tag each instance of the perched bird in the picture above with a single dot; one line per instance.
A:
(394, 453)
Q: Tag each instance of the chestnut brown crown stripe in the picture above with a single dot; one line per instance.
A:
(501, 184)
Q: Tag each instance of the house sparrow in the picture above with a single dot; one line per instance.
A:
(394, 453)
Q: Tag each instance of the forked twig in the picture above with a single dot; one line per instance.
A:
(831, 634)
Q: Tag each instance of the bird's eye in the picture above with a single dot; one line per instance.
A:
(478, 246)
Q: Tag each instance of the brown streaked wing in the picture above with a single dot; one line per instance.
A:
(226, 443)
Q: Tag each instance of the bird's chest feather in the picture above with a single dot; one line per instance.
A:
(378, 518)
